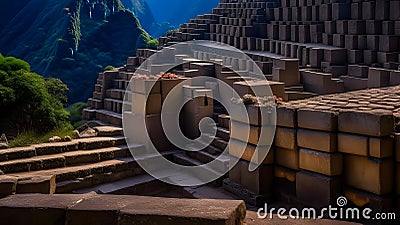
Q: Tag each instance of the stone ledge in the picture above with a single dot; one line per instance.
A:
(118, 210)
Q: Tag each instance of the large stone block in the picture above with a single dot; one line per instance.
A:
(320, 162)
(377, 124)
(235, 173)
(369, 174)
(317, 190)
(378, 77)
(41, 184)
(37, 209)
(394, 12)
(381, 147)
(286, 138)
(317, 140)
(251, 153)
(238, 131)
(353, 144)
(286, 117)
(388, 43)
(8, 185)
(356, 27)
(287, 157)
(317, 120)
(259, 181)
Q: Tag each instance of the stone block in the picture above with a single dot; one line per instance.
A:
(394, 10)
(381, 147)
(144, 86)
(356, 27)
(388, 43)
(235, 173)
(394, 78)
(388, 27)
(382, 10)
(373, 27)
(351, 41)
(385, 57)
(369, 174)
(317, 120)
(330, 164)
(338, 40)
(288, 158)
(370, 57)
(145, 105)
(378, 77)
(341, 11)
(355, 56)
(341, 27)
(251, 153)
(377, 124)
(325, 12)
(317, 140)
(368, 11)
(317, 190)
(41, 184)
(286, 138)
(286, 117)
(8, 185)
(358, 71)
(354, 83)
(259, 181)
(356, 11)
(353, 144)
(238, 131)
(316, 57)
(38, 209)
(373, 42)
(335, 56)
(304, 34)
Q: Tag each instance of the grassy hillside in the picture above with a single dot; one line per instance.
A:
(72, 39)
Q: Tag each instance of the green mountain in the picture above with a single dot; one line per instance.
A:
(71, 39)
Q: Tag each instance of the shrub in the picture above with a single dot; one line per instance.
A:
(109, 68)
(30, 102)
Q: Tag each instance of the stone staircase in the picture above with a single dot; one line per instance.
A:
(68, 166)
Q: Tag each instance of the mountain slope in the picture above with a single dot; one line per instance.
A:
(72, 39)
(177, 12)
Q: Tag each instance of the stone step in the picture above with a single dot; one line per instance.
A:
(124, 209)
(64, 159)
(143, 184)
(128, 170)
(186, 160)
(109, 117)
(223, 133)
(108, 131)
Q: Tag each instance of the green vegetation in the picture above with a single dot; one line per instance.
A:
(32, 137)
(152, 44)
(109, 68)
(75, 112)
(28, 101)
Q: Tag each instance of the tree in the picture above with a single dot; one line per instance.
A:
(28, 101)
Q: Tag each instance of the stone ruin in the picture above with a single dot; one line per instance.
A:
(333, 64)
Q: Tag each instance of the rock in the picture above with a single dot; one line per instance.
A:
(3, 146)
(67, 138)
(3, 139)
(76, 134)
(3, 142)
(55, 139)
(89, 132)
